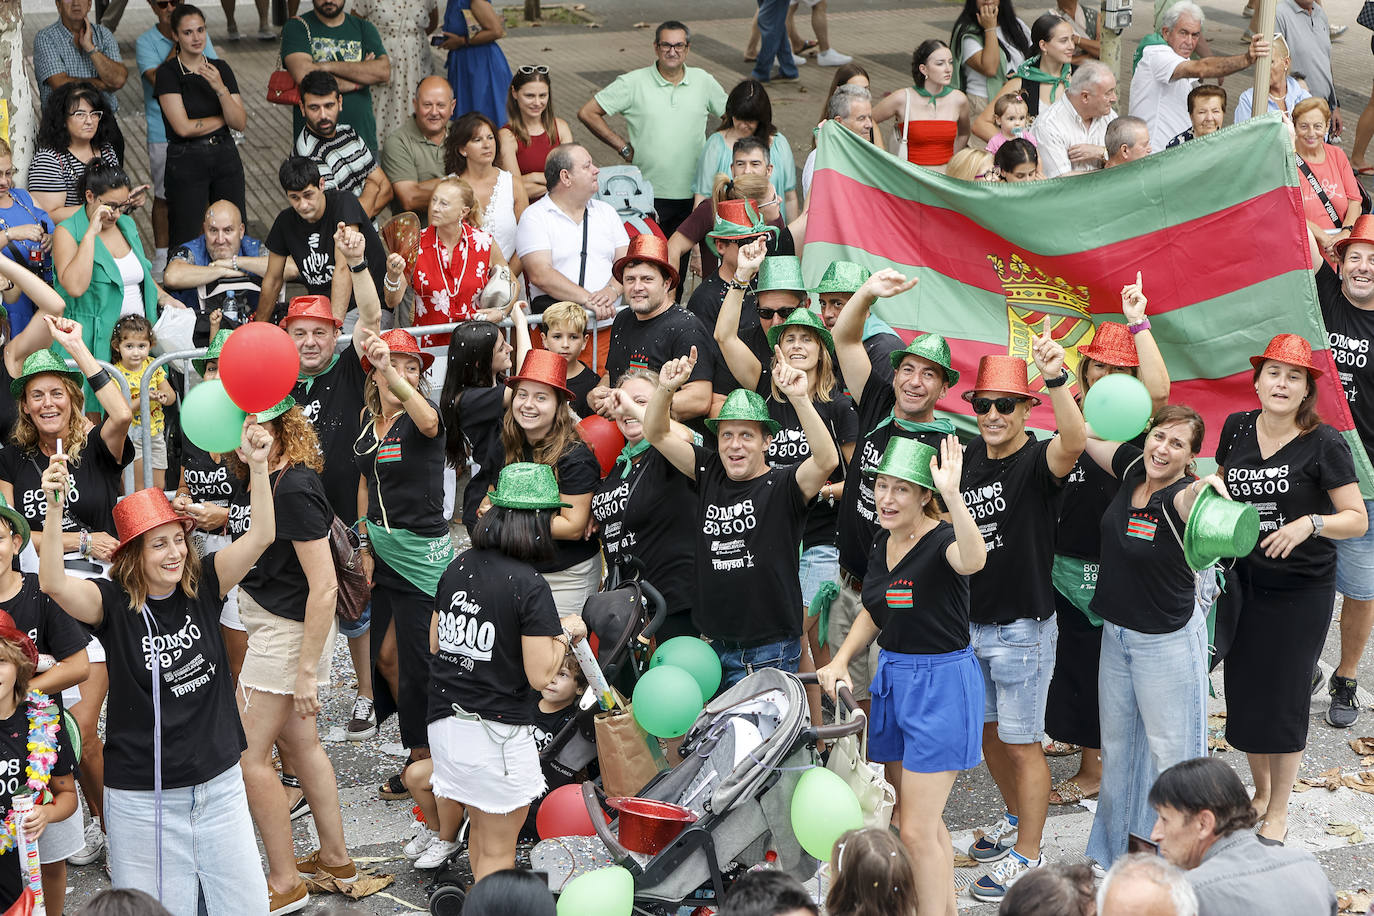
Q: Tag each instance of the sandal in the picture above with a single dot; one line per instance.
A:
(1061, 749)
(394, 788)
(809, 45)
(1069, 792)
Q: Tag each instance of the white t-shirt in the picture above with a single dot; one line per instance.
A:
(976, 83)
(131, 275)
(1160, 101)
(544, 227)
(808, 173)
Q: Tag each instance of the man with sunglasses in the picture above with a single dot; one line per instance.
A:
(665, 107)
(1012, 483)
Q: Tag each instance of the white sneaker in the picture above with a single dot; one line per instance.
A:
(832, 58)
(798, 60)
(436, 854)
(421, 841)
(95, 845)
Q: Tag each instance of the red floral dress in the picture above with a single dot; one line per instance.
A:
(446, 283)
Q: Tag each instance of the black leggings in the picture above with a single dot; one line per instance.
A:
(198, 174)
(396, 600)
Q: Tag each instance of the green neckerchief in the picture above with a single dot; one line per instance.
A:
(938, 95)
(309, 380)
(994, 82)
(422, 560)
(630, 452)
(940, 425)
(1030, 70)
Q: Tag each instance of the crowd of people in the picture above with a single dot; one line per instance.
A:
(785, 481)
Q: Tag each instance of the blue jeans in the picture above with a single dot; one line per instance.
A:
(736, 662)
(355, 628)
(1355, 564)
(1152, 700)
(773, 41)
(1017, 661)
(208, 847)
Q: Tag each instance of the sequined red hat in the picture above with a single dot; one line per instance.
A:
(1292, 349)
(1112, 345)
(546, 367)
(648, 248)
(1003, 375)
(1362, 231)
(11, 633)
(141, 513)
(316, 307)
(401, 342)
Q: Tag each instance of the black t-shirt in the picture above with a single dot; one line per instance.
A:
(858, 518)
(651, 343)
(1289, 484)
(486, 602)
(1350, 334)
(576, 757)
(789, 446)
(479, 418)
(1144, 582)
(747, 561)
(404, 473)
(311, 245)
(14, 762)
(172, 78)
(208, 480)
(91, 497)
(201, 734)
(52, 631)
(1088, 491)
(1014, 500)
(649, 513)
(581, 385)
(921, 606)
(879, 348)
(705, 304)
(578, 474)
(332, 402)
(277, 581)
(9, 409)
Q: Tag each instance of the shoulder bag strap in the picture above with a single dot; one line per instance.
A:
(1321, 194)
(906, 118)
(582, 270)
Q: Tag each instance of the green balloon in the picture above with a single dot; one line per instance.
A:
(823, 808)
(693, 656)
(210, 419)
(604, 892)
(1118, 406)
(667, 701)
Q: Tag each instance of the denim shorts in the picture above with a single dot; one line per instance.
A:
(352, 629)
(1355, 563)
(819, 565)
(736, 662)
(1017, 661)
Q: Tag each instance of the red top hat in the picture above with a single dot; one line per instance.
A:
(400, 341)
(310, 307)
(141, 513)
(546, 367)
(648, 248)
(1288, 348)
(1112, 345)
(1004, 375)
(1362, 231)
(9, 632)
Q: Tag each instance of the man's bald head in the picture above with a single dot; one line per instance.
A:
(434, 105)
(1145, 885)
(223, 229)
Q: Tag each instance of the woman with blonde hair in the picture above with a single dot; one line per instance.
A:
(754, 186)
(971, 164)
(870, 875)
(1285, 92)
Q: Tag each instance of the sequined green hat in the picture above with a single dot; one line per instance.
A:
(743, 404)
(1218, 528)
(43, 362)
(906, 459)
(932, 348)
(212, 352)
(737, 219)
(18, 524)
(276, 410)
(843, 277)
(781, 272)
(526, 485)
(803, 317)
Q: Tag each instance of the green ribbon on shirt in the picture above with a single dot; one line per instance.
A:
(308, 380)
(630, 452)
(422, 560)
(1030, 70)
(941, 425)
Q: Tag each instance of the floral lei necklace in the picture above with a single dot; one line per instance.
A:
(42, 746)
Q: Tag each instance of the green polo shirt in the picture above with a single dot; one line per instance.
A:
(667, 123)
(408, 155)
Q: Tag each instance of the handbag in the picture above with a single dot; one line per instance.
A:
(345, 548)
(497, 293)
(1366, 15)
(849, 761)
(629, 757)
(281, 85)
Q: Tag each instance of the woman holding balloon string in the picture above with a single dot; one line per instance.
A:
(1071, 710)
(928, 692)
(52, 421)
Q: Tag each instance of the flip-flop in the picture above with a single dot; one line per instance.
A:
(1061, 749)
(1365, 170)
(1070, 793)
(811, 45)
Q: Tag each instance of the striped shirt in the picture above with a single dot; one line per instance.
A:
(344, 159)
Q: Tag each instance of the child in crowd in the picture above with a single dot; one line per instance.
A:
(575, 759)
(565, 333)
(130, 349)
(1011, 115)
(870, 875)
(1018, 160)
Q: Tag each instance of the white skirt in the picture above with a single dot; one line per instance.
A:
(490, 766)
(62, 839)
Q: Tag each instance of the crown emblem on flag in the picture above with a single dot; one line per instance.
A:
(1033, 296)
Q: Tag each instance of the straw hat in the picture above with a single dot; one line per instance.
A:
(141, 513)
(213, 351)
(646, 248)
(1112, 345)
(843, 277)
(403, 344)
(526, 485)
(933, 349)
(1292, 349)
(802, 318)
(743, 404)
(906, 459)
(545, 367)
(1219, 527)
(316, 307)
(1004, 375)
(43, 362)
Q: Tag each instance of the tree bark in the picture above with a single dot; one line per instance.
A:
(532, 11)
(14, 73)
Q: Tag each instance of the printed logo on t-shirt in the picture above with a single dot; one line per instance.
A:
(208, 483)
(733, 518)
(789, 447)
(1140, 525)
(899, 594)
(170, 648)
(325, 48)
(872, 456)
(239, 515)
(464, 637)
(318, 267)
(34, 504)
(608, 508)
(14, 773)
(1242, 482)
(1349, 353)
(987, 502)
(311, 410)
(388, 452)
(639, 361)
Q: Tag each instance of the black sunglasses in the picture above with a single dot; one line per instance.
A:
(784, 312)
(1004, 405)
(166, 4)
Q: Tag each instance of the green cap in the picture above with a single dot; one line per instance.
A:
(1219, 527)
(43, 362)
(805, 318)
(18, 524)
(781, 272)
(743, 404)
(843, 277)
(276, 410)
(213, 351)
(906, 459)
(737, 219)
(526, 485)
(932, 348)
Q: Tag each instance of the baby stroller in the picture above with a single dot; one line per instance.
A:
(741, 762)
(620, 620)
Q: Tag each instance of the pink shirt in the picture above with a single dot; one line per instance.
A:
(1337, 179)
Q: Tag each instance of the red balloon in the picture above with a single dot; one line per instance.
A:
(564, 813)
(604, 438)
(259, 366)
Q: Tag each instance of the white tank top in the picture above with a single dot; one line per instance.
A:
(499, 217)
(131, 274)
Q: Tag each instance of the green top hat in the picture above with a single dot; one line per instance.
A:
(781, 272)
(276, 410)
(18, 524)
(906, 459)
(930, 347)
(737, 219)
(213, 351)
(41, 363)
(526, 485)
(1217, 528)
(804, 318)
(843, 277)
(743, 404)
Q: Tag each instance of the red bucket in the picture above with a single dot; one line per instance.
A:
(649, 826)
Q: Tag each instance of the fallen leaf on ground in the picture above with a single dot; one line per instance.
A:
(1367, 761)
(1218, 744)
(1360, 782)
(1362, 745)
(964, 861)
(1353, 834)
(642, 25)
(1301, 786)
(365, 884)
(1353, 903)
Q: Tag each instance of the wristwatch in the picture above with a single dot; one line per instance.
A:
(624, 152)
(1058, 382)
(1317, 522)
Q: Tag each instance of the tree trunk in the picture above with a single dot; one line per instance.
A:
(14, 73)
(532, 11)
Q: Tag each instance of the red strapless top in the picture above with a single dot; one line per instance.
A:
(930, 142)
(530, 157)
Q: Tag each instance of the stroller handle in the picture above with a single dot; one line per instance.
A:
(848, 705)
(603, 830)
(658, 608)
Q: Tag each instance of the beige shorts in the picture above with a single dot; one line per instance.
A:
(274, 649)
(159, 448)
(572, 587)
(843, 610)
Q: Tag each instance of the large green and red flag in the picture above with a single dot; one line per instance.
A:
(1214, 226)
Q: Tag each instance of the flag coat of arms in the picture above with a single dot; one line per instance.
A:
(1214, 226)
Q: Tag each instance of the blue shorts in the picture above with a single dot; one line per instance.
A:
(927, 711)
(736, 662)
(1017, 660)
(1355, 563)
(819, 564)
(355, 628)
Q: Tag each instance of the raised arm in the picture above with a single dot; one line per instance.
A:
(658, 427)
(849, 326)
(1064, 448)
(1209, 67)
(1153, 373)
(233, 562)
(80, 598)
(793, 383)
(350, 242)
(425, 417)
(742, 362)
(118, 414)
(968, 553)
